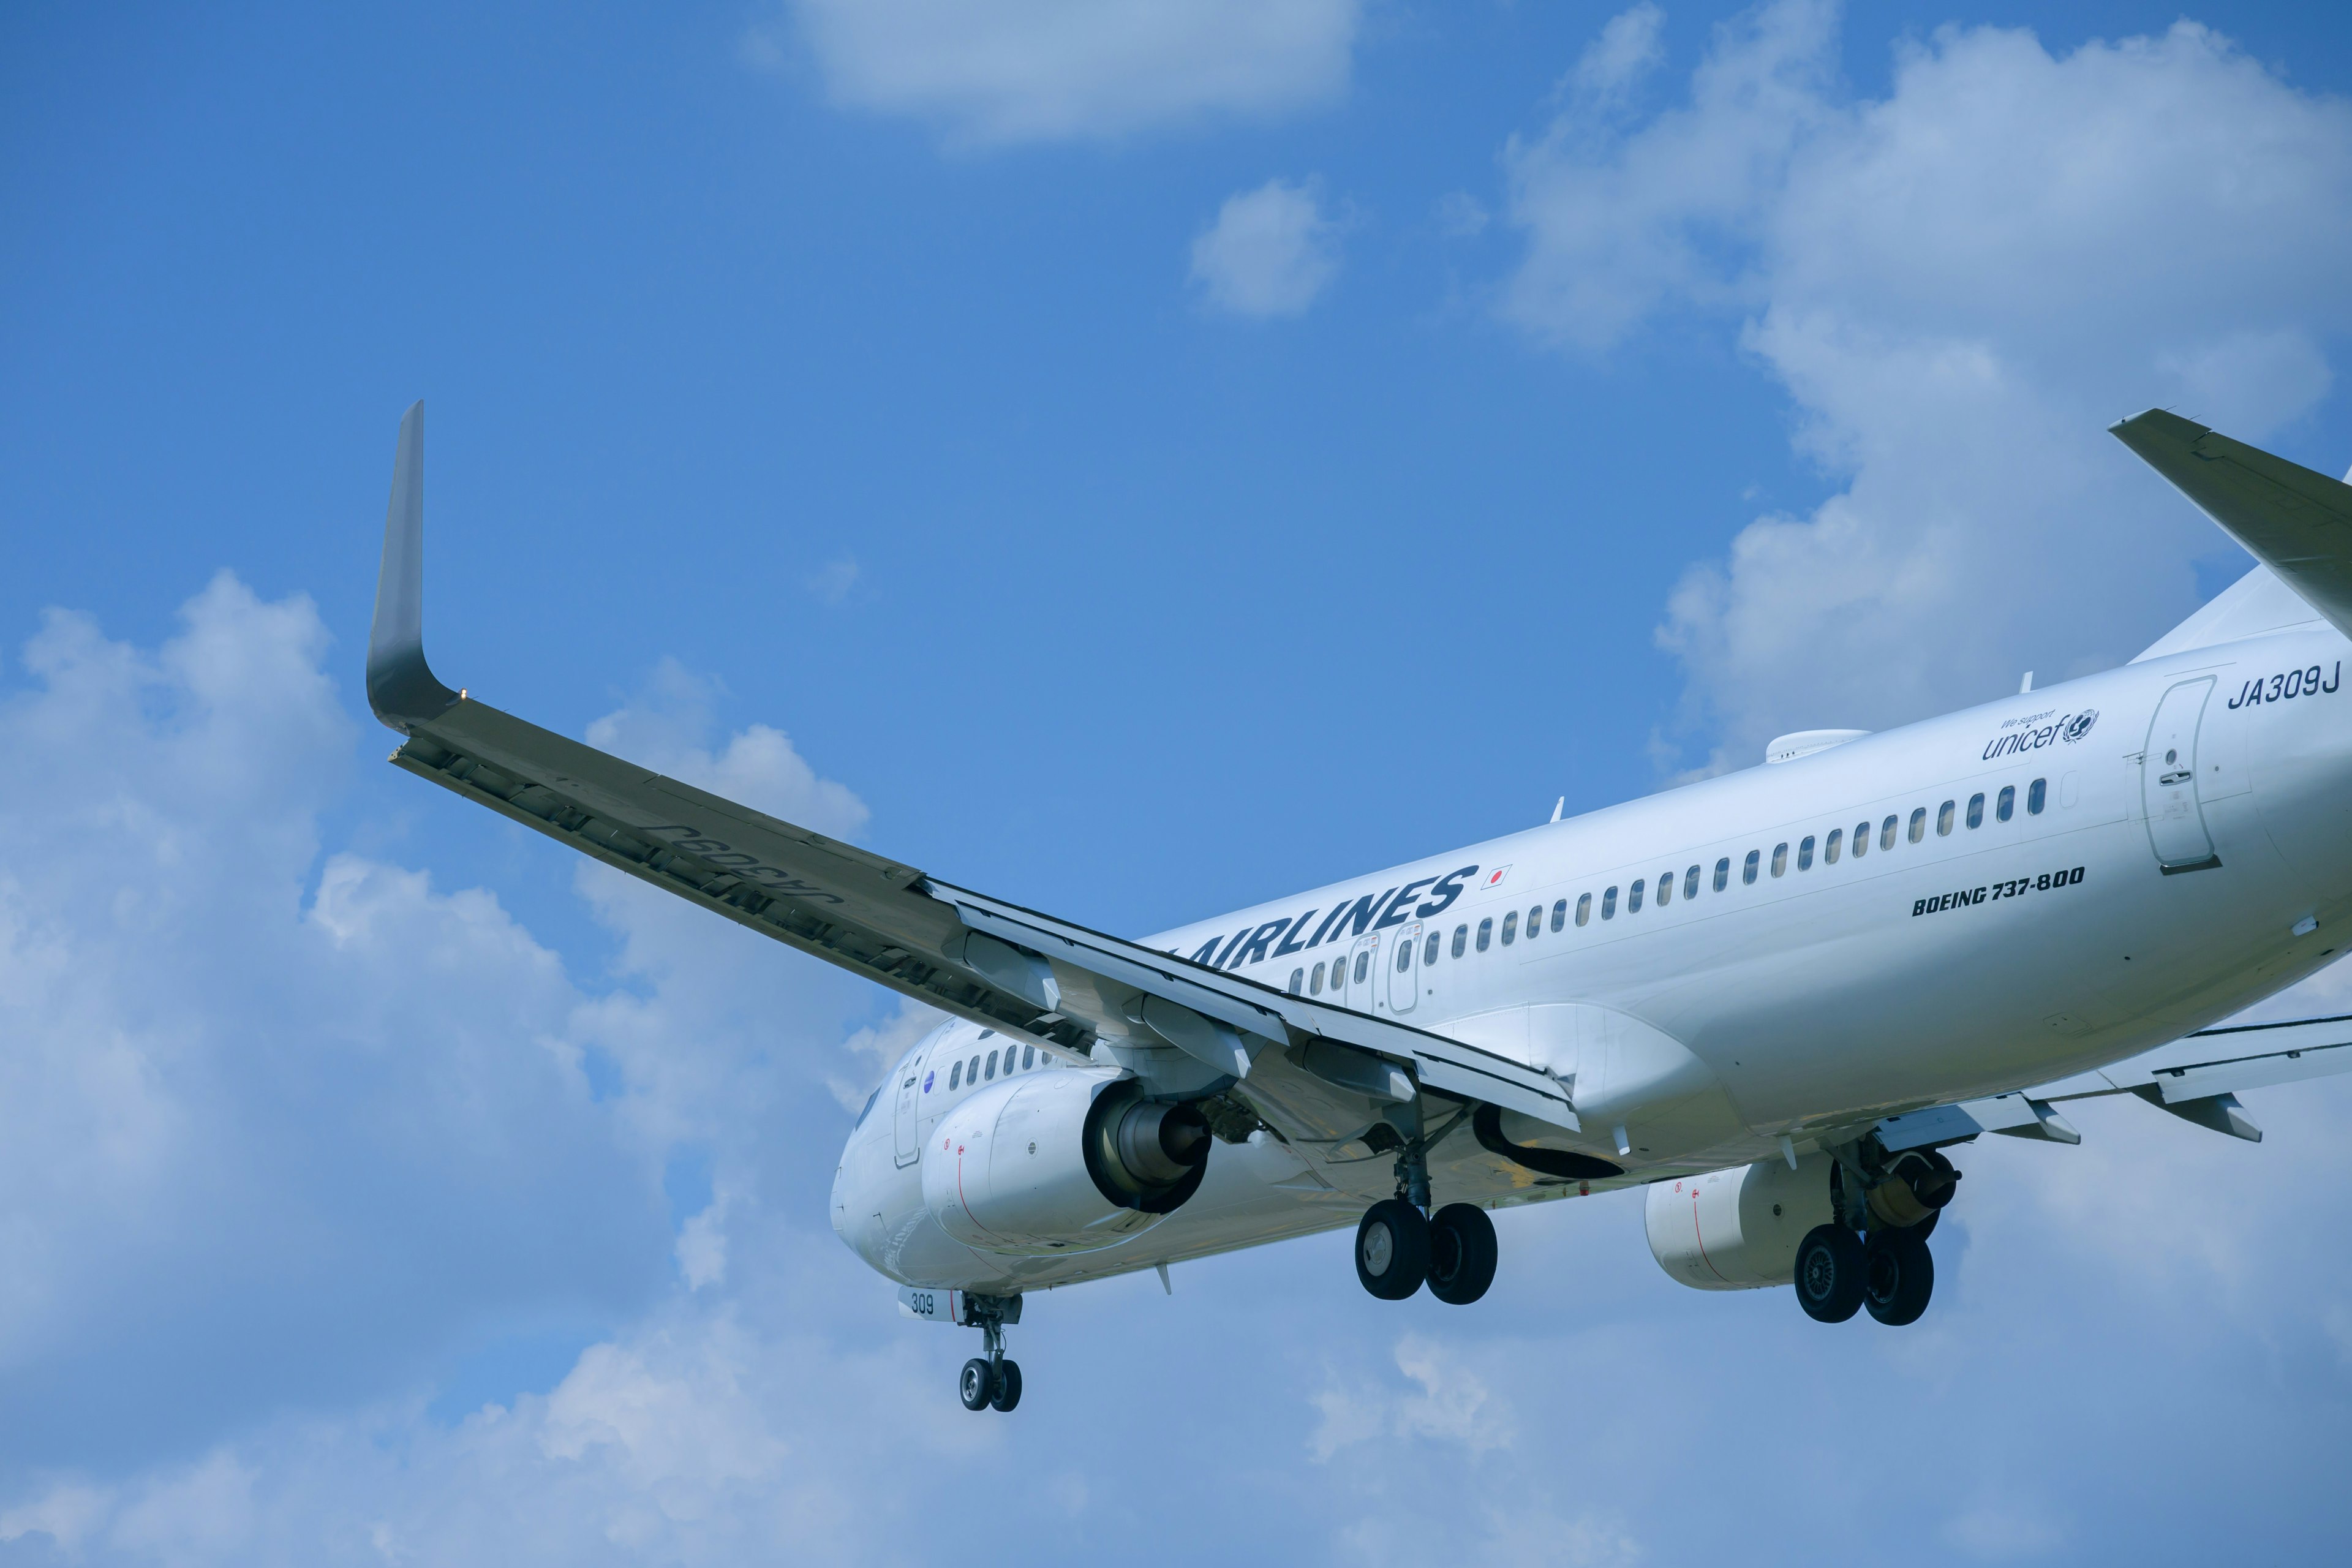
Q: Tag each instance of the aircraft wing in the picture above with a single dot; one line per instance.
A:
(1004, 966)
(2297, 521)
(2196, 1078)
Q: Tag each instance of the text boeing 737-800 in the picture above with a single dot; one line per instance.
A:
(1774, 998)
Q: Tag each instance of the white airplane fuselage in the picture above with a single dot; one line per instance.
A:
(1866, 969)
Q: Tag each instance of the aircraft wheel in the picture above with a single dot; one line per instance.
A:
(1008, 1387)
(977, 1384)
(1830, 1274)
(1898, 1274)
(1392, 1249)
(1462, 1253)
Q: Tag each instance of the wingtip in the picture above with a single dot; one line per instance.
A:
(401, 686)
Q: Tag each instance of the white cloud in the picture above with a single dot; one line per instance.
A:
(832, 581)
(1271, 251)
(1958, 286)
(1626, 51)
(302, 1121)
(1453, 1405)
(1039, 70)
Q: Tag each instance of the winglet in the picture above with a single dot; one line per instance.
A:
(400, 685)
(2293, 521)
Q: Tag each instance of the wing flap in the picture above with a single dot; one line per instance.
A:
(2197, 1077)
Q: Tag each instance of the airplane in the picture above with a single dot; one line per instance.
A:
(1775, 999)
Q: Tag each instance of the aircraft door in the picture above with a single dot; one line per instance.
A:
(1404, 970)
(1364, 971)
(2167, 781)
(909, 1096)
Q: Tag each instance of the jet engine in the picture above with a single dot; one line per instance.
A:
(1738, 1229)
(1063, 1162)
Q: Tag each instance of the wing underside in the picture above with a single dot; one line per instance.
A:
(1318, 1075)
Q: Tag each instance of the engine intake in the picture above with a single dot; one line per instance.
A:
(1062, 1162)
(1145, 1154)
(1736, 1229)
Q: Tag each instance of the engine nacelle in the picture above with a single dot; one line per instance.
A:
(1738, 1229)
(1062, 1162)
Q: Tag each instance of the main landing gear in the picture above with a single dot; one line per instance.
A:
(991, 1381)
(1400, 1246)
(1888, 1269)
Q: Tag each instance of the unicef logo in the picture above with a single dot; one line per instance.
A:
(2080, 725)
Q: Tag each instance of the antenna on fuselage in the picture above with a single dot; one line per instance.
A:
(2026, 685)
(1559, 806)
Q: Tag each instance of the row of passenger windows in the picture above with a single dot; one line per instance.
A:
(978, 1070)
(1831, 847)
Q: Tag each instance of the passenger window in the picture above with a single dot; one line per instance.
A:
(2006, 807)
(1723, 872)
(1748, 872)
(1363, 966)
(1665, 889)
(1861, 839)
(1584, 909)
(1315, 981)
(1976, 810)
(1608, 903)
(1779, 860)
(955, 1076)
(2036, 793)
(1832, 845)
(992, 1064)
(1461, 936)
(1634, 897)
(1485, 932)
(1429, 953)
(971, 1069)
(1805, 854)
(1297, 980)
(1559, 908)
(1535, 921)
(1918, 824)
(1404, 957)
(1510, 927)
(1028, 1058)
(1887, 834)
(1944, 819)
(1690, 883)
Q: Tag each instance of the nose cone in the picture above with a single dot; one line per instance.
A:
(862, 1194)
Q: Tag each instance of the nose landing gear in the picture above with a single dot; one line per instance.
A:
(991, 1381)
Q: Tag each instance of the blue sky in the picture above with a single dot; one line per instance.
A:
(1134, 458)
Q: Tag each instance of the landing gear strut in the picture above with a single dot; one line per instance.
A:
(1888, 1269)
(1400, 1246)
(992, 1380)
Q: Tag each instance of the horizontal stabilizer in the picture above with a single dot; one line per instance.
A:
(2294, 521)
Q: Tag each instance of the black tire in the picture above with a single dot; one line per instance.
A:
(1830, 1274)
(1461, 1254)
(1898, 1274)
(1392, 1249)
(1008, 1387)
(977, 1386)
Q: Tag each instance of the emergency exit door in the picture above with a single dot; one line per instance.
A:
(1404, 970)
(903, 1116)
(2167, 781)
